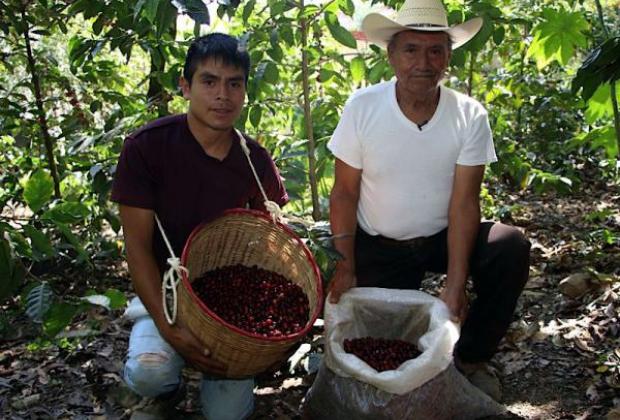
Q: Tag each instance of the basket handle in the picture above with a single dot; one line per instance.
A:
(172, 277)
(272, 207)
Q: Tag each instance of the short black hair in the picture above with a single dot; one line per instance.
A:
(219, 46)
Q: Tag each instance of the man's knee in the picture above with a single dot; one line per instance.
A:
(152, 374)
(512, 242)
(227, 399)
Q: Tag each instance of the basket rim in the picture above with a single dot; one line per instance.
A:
(289, 231)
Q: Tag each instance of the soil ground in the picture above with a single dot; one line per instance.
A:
(559, 360)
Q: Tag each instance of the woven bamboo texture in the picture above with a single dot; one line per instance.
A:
(249, 238)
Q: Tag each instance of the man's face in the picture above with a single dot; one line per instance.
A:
(216, 94)
(419, 59)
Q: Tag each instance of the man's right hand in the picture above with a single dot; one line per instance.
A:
(191, 349)
(342, 280)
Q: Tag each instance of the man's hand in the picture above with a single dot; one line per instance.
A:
(457, 302)
(343, 280)
(190, 348)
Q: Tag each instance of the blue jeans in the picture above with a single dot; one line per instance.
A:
(153, 368)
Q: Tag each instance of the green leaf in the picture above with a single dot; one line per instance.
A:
(601, 138)
(6, 270)
(68, 212)
(479, 41)
(255, 115)
(347, 7)
(38, 301)
(277, 7)
(286, 33)
(196, 9)
(601, 66)
(498, 35)
(339, 33)
(600, 105)
(40, 243)
(78, 47)
(12, 271)
(557, 37)
(117, 298)
(276, 53)
(376, 72)
(98, 24)
(38, 189)
(165, 19)
(115, 222)
(75, 242)
(138, 8)
(89, 8)
(358, 69)
(271, 74)
(149, 10)
(325, 74)
(59, 317)
(458, 57)
(247, 10)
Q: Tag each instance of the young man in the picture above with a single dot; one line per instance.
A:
(410, 158)
(187, 169)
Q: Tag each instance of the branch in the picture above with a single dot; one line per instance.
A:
(320, 12)
(36, 84)
(305, 71)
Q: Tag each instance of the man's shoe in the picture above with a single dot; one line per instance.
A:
(482, 376)
(162, 407)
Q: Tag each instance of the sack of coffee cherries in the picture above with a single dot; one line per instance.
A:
(388, 355)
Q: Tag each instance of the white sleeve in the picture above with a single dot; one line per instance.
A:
(478, 146)
(345, 142)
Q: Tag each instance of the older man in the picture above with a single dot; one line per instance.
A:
(410, 158)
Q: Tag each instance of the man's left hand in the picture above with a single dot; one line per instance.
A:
(457, 302)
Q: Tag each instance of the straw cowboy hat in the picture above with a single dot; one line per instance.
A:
(419, 15)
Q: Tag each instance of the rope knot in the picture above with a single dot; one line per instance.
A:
(171, 279)
(175, 264)
(274, 209)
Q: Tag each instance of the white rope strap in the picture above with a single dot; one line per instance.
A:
(272, 207)
(172, 277)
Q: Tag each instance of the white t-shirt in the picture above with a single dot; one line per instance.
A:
(407, 172)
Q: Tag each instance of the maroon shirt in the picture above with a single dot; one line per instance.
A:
(162, 167)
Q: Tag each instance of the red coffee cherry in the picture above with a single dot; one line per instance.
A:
(380, 353)
(254, 299)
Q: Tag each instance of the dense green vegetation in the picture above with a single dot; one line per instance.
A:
(77, 76)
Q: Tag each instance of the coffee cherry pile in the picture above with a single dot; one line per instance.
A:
(380, 353)
(255, 300)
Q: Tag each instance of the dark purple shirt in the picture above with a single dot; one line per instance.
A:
(162, 167)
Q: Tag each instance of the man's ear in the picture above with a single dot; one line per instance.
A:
(185, 87)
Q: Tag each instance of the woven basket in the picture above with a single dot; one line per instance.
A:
(246, 237)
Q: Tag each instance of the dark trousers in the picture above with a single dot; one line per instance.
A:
(499, 268)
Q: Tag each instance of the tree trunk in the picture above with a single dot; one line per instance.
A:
(519, 123)
(470, 82)
(316, 210)
(36, 87)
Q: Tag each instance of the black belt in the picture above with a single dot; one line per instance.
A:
(405, 243)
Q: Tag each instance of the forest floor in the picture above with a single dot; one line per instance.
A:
(559, 360)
